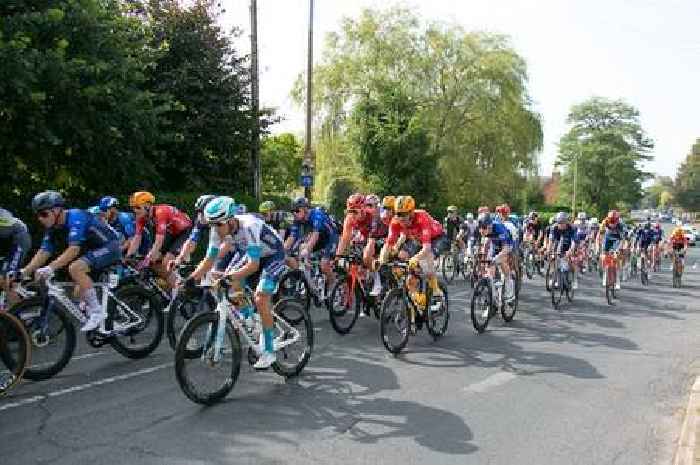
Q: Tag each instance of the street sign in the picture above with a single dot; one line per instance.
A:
(306, 181)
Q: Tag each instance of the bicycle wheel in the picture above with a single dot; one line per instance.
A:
(15, 351)
(569, 277)
(141, 340)
(438, 314)
(182, 310)
(52, 335)
(292, 320)
(557, 288)
(610, 285)
(548, 276)
(448, 267)
(293, 283)
(344, 307)
(529, 265)
(203, 376)
(508, 309)
(481, 305)
(394, 322)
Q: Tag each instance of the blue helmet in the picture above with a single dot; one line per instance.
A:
(46, 200)
(220, 209)
(108, 202)
(485, 220)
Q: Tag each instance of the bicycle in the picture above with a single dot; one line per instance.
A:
(610, 270)
(406, 311)
(677, 265)
(452, 262)
(644, 267)
(213, 339)
(563, 280)
(131, 315)
(483, 307)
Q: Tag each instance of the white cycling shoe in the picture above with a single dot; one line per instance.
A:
(265, 360)
(94, 322)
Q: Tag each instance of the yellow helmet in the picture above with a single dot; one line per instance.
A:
(405, 204)
(389, 202)
(138, 199)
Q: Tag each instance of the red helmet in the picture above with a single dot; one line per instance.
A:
(483, 209)
(613, 216)
(355, 202)
(503, 210)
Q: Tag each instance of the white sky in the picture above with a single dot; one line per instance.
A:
(644, 51)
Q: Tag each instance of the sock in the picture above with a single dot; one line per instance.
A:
(269, 334)
(91, 300)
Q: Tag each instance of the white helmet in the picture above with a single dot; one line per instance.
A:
(470, 216)
(593, 221)
(582, 216)
(220, 209)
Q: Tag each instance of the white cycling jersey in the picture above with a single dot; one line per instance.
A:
(254, 237)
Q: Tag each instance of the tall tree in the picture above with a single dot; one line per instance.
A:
(606, 145)
(281, 157)
(688, 180)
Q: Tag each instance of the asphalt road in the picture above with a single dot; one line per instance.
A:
(590, 384)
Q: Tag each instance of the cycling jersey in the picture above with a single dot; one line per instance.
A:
(533, 227)
(582, 231)
(499, 236)
(677, 237)
(199, 230)
(612, 231)
(422, 227)
(165, 219)
(378, 229)
(567, 236)
(513, 230)
(125, 224)
(645, 237)
(658, 235)
(318, 220)
(15, 241)
(451, 224)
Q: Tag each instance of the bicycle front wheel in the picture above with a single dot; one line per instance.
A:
(15, 351)
(481, 305)
(439, 314)
(344, 306)
(295, 332)
(394, 321)
(207, 373)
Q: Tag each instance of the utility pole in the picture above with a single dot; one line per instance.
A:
(255, 100)
(307, 165)
(573, 202)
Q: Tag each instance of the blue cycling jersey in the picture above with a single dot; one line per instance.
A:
(319, 221)
(646, 236)
(566, 235)
(124, 223)
(500, 235)
(83, 230)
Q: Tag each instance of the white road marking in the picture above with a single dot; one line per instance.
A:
(77, 357)
(491, 382)
(82, 387)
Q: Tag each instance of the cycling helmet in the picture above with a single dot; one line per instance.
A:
(371, 201)
(562, 217)
(355, 202)
(108, 202)
(202, 202)
(46, 200)
(485, 219)
(582, 216)
(267, 206)
(503, 210)
(483, 209)
(452, 209)
(593, 220)
(405, 204)
(300, 202)
(139, 199)
(389, 202)
(532, 215)
(470, 216)
(94, 210)
(220, 209)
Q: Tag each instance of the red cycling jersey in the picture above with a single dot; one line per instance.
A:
(361, 223)
(422, 227)
(166, 219)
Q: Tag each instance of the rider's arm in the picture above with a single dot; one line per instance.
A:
(345, 237)
(135, 241)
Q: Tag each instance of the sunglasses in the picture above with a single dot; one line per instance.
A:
(352, 212)
(403, 216)
(44, 213)
(137, 208)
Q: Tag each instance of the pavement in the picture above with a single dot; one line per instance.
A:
(588, 384)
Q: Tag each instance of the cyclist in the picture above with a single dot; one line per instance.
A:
(200, 229)
(658, 240)
(583, 232)
(533, 230)
(468, 230)
(610, 235)
(15, 243)
(678, 242)
(123, 222)
(416, 224)
(265, 255)
(92, 246)
(279, 220)
(502, 246)
(172, 228)
(452, 223)
(565, 232)
(645, 238)
(323, 237)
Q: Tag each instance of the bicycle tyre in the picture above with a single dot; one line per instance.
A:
(448, 267)
(336, 313)
(569, 286)
(16, 359)
(511, 306)
(27, 311)
(154, 316)
(557, 289)
(182, 354)
(547, 276)
(395, 296)
(297, 278)
(435, 331)
(483, 287)
(282, 310)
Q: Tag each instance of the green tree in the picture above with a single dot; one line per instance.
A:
(606, 146)
(652, 194)
(688, 180)
(76, 113)
(280, 158)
